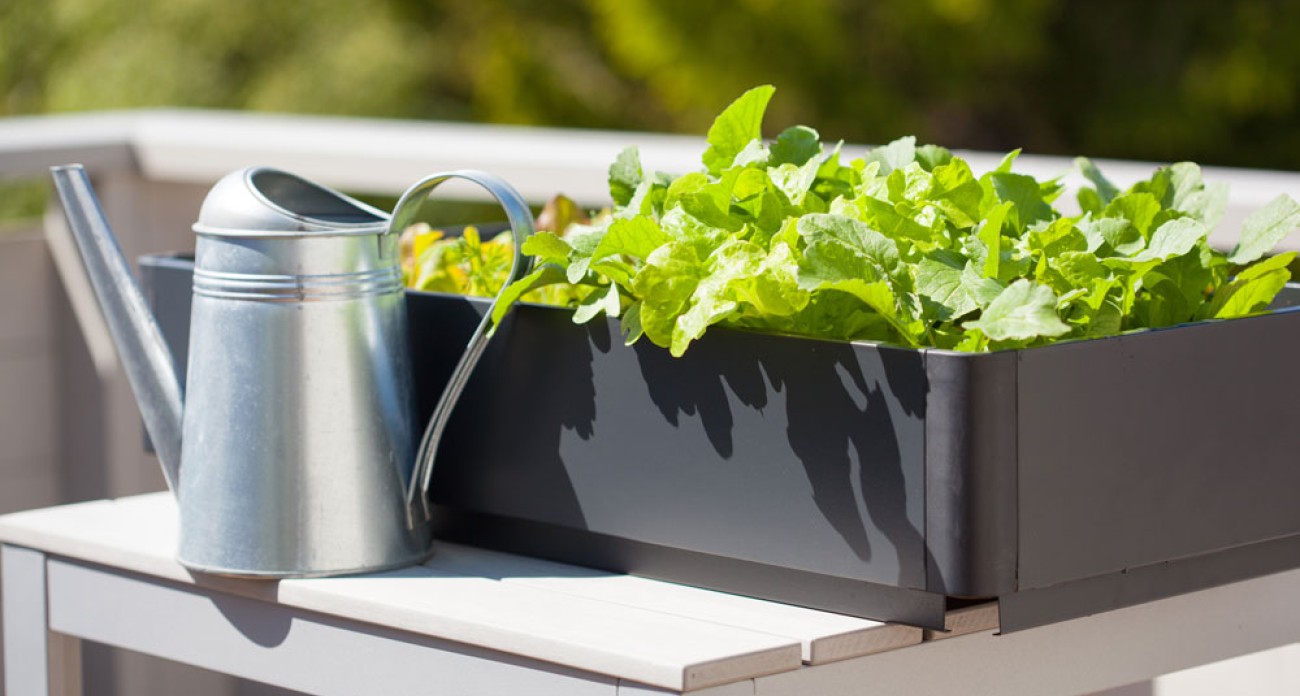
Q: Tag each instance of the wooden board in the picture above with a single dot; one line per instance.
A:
(824, 636)
(967, 620)
(642, 644)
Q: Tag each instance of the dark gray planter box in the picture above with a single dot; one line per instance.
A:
(871, 480)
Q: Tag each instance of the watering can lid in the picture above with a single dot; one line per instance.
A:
(263, 201)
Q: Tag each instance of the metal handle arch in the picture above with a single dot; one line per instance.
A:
(520, 218)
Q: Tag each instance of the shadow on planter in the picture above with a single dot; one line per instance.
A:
(754, 447)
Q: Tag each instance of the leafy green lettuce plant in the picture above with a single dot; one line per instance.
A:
(906, 245)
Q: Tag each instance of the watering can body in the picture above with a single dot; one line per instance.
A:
(297, 447)
(292, 450)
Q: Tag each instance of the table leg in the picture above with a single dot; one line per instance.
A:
(38, 662)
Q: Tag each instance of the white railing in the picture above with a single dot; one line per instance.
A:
(384, 156)
(73, 430)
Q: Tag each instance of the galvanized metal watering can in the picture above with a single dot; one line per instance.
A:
(292, 452)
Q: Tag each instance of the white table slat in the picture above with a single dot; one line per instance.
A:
(292, 648)
(648, 646)
(824, 636)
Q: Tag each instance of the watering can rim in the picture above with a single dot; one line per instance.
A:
(301, 225)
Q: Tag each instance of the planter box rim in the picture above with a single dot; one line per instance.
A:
(1293, 287)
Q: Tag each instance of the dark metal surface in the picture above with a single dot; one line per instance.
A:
(970, 455)
(1069, 600)
(617, 554)
(797, 453)
(1156, 446)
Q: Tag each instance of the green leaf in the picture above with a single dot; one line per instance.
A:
(917, 184)
(1193, 273)
(941, 278)
(630, 326)
(773, 288)
(1253, 289)
(1140, 209)
(665, 285)
(546, 246)
(1161, 304)
(894, 221)
(895, 155)
(758, 201)
(957, 192)
(625, 176)
(1264, 228)
(795, 145)
(1111, 236)
(1021, 312)
(1192, 196)
(584, 245)
(1089, 201)
(1096, 312)
(598, 301)
(705, 200)
(1174, 238)
(710, 304)
(755, 154)
(794, 181)
(540, 277)
(739, 124)
(842, 248)
(684, 227)
(1080, 268)
(880, 297)
(983, 290)
(612, 268)
(991, 235)
(1160, 186)
(635, 237)
(1008, 160)
(1022, 191)
(1186, 180)
(1057, 238)
(932, 156)
(1209, 204)
(643, 199)
(1106, 191)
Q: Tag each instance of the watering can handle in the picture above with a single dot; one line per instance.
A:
(521, 225)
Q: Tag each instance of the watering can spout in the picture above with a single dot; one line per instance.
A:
(145, 357)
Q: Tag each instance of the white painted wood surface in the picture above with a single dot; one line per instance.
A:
(641, 644)
(1275, 671)
(824, 637)
(490, 601)
(41, 661)
(299, 650)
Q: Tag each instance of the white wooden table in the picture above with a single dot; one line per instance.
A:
(474, 622)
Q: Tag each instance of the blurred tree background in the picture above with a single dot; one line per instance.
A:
(1206, 80)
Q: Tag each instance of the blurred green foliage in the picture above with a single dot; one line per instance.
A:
(1211, 81)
